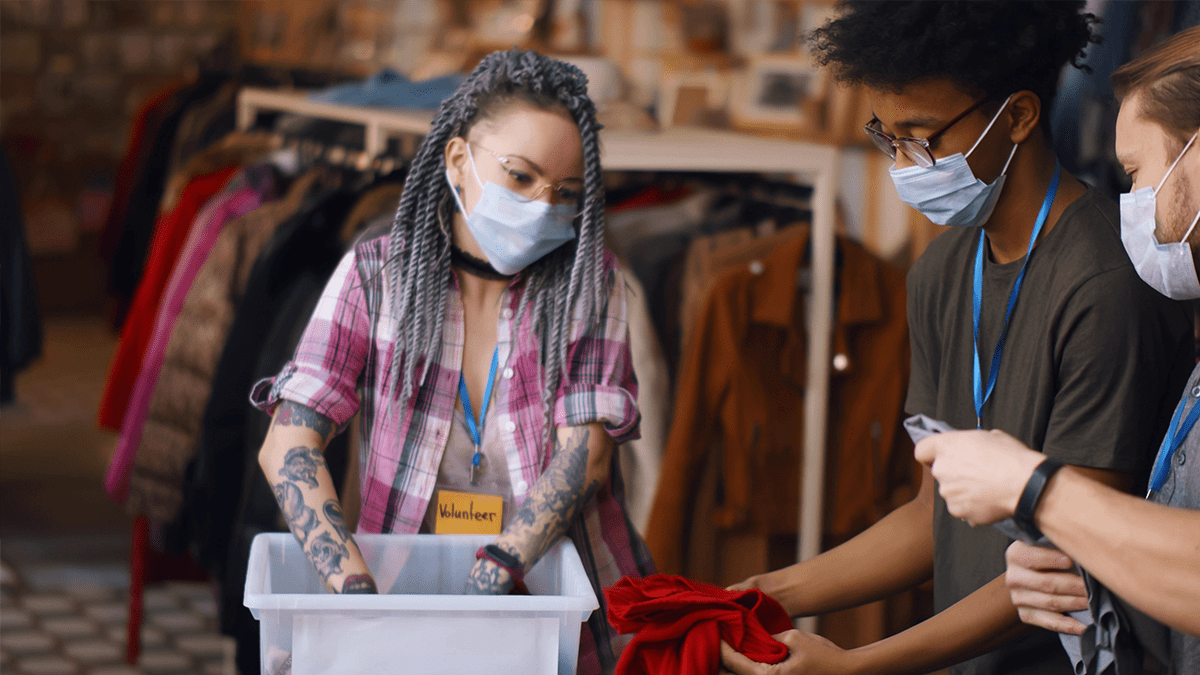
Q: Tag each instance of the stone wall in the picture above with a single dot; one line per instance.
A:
(72, 73)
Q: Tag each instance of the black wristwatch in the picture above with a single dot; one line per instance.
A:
(1032, 494)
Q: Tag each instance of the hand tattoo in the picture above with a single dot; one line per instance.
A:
(300, 465)
(291, 501)
(328, 554)
(333, 513)
(485, 580)
(290, 414)
(359, 584)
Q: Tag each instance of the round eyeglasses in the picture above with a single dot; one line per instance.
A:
(916, 149)
(525, 180)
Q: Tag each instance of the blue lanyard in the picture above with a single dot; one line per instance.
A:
(981, 396)
(472, 426)
(1176, 433)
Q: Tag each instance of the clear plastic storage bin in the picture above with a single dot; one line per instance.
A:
(420, 624)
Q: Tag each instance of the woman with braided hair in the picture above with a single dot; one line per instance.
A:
(484, 341)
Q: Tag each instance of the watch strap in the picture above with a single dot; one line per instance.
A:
(505, 560)
(1032, 494)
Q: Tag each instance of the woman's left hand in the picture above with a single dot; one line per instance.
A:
(809, 655)
(577, 471)
(980, 474)
(488, 578)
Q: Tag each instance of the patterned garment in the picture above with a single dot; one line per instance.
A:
(342, 364)
(146, 474)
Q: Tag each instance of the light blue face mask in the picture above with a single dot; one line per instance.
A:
(948, 193)
(1168, 268)
(512, 232)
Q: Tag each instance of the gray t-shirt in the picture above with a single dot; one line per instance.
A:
(1093, 360)
(1182, 490)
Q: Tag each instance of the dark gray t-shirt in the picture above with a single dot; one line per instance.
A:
(1093, 362)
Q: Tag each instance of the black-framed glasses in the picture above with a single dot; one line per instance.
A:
(916, 149)
(527, 182)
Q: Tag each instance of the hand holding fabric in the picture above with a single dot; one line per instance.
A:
(808, 655)
(1043, 585)
(681, 625)
(748, 584)
(980, 474)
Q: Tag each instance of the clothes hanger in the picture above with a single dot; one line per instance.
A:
(286, 161)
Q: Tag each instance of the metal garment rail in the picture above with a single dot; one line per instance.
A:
(678, 149)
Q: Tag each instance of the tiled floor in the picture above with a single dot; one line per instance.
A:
(64, 544)
(81, 631)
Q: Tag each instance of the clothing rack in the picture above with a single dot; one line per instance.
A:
(678, 149)
(380, 123)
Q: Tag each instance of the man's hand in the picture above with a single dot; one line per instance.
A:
(980, 474)
(809, 655)
(1043, 585)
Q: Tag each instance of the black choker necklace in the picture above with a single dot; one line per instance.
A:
(475, 266)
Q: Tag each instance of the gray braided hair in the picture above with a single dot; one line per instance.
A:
(568, 280)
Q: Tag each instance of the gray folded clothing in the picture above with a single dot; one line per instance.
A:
(1106, 646)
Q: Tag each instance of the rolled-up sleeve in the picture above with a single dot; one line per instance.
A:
(325, 370)
(599, 384)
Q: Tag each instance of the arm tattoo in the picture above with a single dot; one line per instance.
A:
(290, 414)
(300, 465)
(555, 501)
(300, 518)
(561, 491)
(333, 513)
(328, 555)
(359, 584)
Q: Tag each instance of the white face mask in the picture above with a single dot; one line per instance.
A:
(1167, 268)
(512, 232)
(948, 193)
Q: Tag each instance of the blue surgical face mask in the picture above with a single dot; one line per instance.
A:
(948, 193)
(1168, 268)
(513, 233)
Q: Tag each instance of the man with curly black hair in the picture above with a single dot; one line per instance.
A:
(1025, 316)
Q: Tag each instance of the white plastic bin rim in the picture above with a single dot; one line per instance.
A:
(577, 597)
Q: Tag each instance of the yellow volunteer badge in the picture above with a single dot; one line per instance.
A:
(467, 513)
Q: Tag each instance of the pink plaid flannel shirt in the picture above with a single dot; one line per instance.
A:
(341, 366)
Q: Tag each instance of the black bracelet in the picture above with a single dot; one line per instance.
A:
(1032, 494)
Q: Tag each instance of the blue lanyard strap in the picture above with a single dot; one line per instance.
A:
(982, 396)
(472, 426)
(1176, 433)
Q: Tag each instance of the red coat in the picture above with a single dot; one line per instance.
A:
(170, 234)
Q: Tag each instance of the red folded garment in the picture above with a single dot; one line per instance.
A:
(680, 624)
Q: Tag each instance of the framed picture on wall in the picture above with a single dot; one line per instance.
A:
(776, 26)
(692, 98)
(784, 93)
